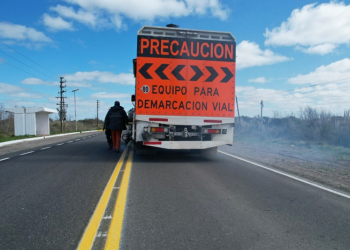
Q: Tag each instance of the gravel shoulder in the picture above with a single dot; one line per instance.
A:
(329, 165)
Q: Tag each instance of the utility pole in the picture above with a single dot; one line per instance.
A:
(239, 118)
(64, 112)
(98, 105)
(262, 121)
(61, 97)
(75, 107)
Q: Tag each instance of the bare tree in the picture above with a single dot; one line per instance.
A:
(276, 114)
(2, 112)
(6, 122)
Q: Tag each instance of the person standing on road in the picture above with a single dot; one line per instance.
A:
(115, 120)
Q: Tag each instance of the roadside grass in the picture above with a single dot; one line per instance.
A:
(339, 152)
(316, 161)
(12, 138)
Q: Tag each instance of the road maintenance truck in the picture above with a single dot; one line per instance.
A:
(185, 89)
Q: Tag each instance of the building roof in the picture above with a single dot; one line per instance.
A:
(31, 110)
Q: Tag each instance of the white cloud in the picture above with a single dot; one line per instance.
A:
(80, 15)
(331, 97)
(33, 81)
(56, 23)
(106, 13)
(102, 77)
(26, 95)
(333, 72)
(259, 80)
(86, 79)
(104, 95)
(15, 91)
(22, 33)
(322, 49)
(319, 27)
(8, 88)
(79, 84)
(249, 55)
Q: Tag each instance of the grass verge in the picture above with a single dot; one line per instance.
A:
(12, 138)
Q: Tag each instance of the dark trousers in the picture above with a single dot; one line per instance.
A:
(116, 134)
(108, 133)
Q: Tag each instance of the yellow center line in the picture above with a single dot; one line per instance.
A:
(115, 229)
(91, 230)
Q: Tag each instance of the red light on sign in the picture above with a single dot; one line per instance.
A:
(158, 119)
(213, 121)
(152, 143)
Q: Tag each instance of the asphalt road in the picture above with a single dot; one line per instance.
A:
(175, 200)
(187, 202)
(47, 197)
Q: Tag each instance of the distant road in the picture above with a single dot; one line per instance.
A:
(175, 200)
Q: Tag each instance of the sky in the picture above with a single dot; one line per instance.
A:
(290, 54)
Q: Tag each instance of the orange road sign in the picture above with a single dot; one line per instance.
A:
(180, 77)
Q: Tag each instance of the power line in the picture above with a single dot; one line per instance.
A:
(29, 58)
(26, 65)
(22, 70)
(81, 93)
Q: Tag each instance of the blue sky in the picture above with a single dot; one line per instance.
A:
(291, 54)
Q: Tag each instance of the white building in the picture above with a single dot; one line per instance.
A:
(31, 121)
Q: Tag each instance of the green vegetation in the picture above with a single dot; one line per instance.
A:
(69, 126)
(311, 127)
(12, 137)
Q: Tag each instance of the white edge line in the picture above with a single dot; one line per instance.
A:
(19, 141)
(4, 159)
(77, 140)
(59, 144)
(45, 148)
(43, 137)
(70, 142)
(290, 176)
(27, 153)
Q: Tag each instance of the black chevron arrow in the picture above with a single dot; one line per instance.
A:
(160, 72)
(228, 73)
(176, 72)
(143, 70)
(213, 74)
(198, 72)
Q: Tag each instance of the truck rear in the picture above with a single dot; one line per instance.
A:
(185, 89)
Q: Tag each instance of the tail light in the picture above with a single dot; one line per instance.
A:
(212, 131)
(157, 129)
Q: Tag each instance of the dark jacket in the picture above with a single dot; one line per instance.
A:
(116, 118)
